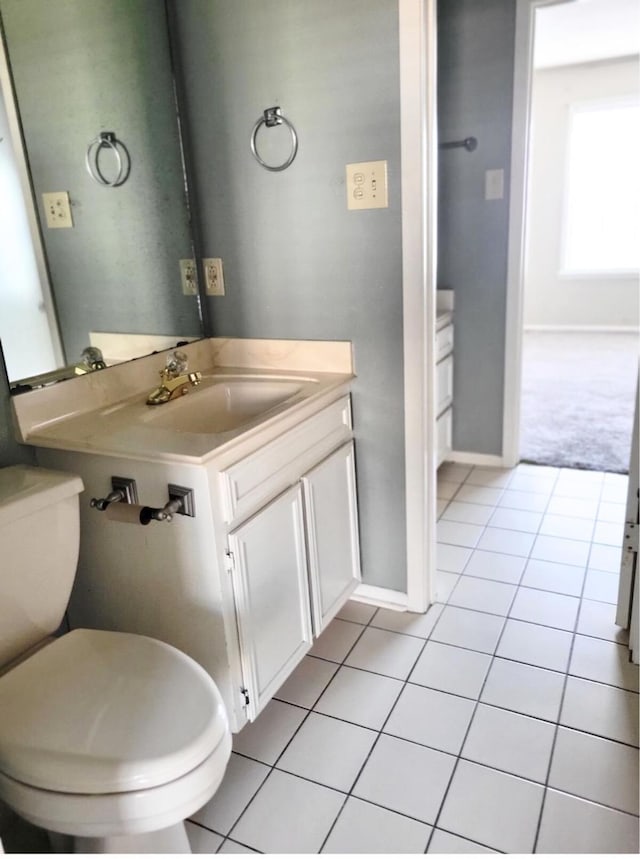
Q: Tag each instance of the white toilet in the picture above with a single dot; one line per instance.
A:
(108, 737)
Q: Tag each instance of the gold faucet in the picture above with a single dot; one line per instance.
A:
(175, 380)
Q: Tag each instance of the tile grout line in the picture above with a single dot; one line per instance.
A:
(530, 587)
(562, 699)
(405, 683)
(380, 732)
(493, 658)
(473, 715)
(495, 506)
(584, 567)
(377, 739)
(461, 697)
(272, 766)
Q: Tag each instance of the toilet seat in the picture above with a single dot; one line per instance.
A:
(98, 712)
(120, 814)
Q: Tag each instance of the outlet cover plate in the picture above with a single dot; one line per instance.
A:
(188, 277)
(367, 185)
(213, 276)
(57, 210)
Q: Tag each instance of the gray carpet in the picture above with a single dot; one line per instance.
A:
(578, 395)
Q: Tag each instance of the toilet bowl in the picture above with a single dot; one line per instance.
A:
(109, 737)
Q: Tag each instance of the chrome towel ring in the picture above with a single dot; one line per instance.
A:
(108, 140)
(271, 117)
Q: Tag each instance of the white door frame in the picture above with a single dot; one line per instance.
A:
(418, 86)
(418, 179)
(522, 82)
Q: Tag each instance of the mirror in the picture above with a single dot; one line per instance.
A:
(79, 68)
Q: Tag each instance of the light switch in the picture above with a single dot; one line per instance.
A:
(367, 185)
(494, 184)
(57, 210)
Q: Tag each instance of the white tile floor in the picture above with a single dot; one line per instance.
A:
(503, 720)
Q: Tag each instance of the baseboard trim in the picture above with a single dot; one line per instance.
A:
(587, 329)
(380, 597)
(468, 457)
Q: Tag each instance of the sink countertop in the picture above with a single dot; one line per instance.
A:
(123, 425)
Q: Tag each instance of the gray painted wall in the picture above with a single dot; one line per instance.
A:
(475, 93)
(297, 264)
(549, 298)
(80, 67)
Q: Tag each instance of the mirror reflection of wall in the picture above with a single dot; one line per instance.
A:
(81, 67)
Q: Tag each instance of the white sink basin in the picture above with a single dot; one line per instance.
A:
(221, 404)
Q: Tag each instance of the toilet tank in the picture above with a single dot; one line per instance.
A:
(39, 544)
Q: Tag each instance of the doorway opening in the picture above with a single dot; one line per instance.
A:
(580, 278)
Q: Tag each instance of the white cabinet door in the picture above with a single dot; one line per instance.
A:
(332, 534)
(272, 596)
(444, 384)
(628, 586)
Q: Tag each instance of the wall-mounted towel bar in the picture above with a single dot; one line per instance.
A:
(469, 143)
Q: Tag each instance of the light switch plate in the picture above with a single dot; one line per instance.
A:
(367, 185)
(494, 184)
(57, 210)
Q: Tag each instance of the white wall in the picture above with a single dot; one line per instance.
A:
(549, 299)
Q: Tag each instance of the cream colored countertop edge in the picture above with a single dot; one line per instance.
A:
(60, 416)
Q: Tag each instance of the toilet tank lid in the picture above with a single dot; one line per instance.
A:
(25, 489)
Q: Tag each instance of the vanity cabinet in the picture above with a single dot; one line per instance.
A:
(444, 387)
(293, 565)
(245, 585)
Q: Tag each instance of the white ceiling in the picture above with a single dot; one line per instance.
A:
(586, 30)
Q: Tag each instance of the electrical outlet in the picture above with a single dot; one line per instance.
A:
(188, 277)
(57, 210)
(213, 276)
(367, 185)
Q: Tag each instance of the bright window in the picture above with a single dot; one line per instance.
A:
(602, 205)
